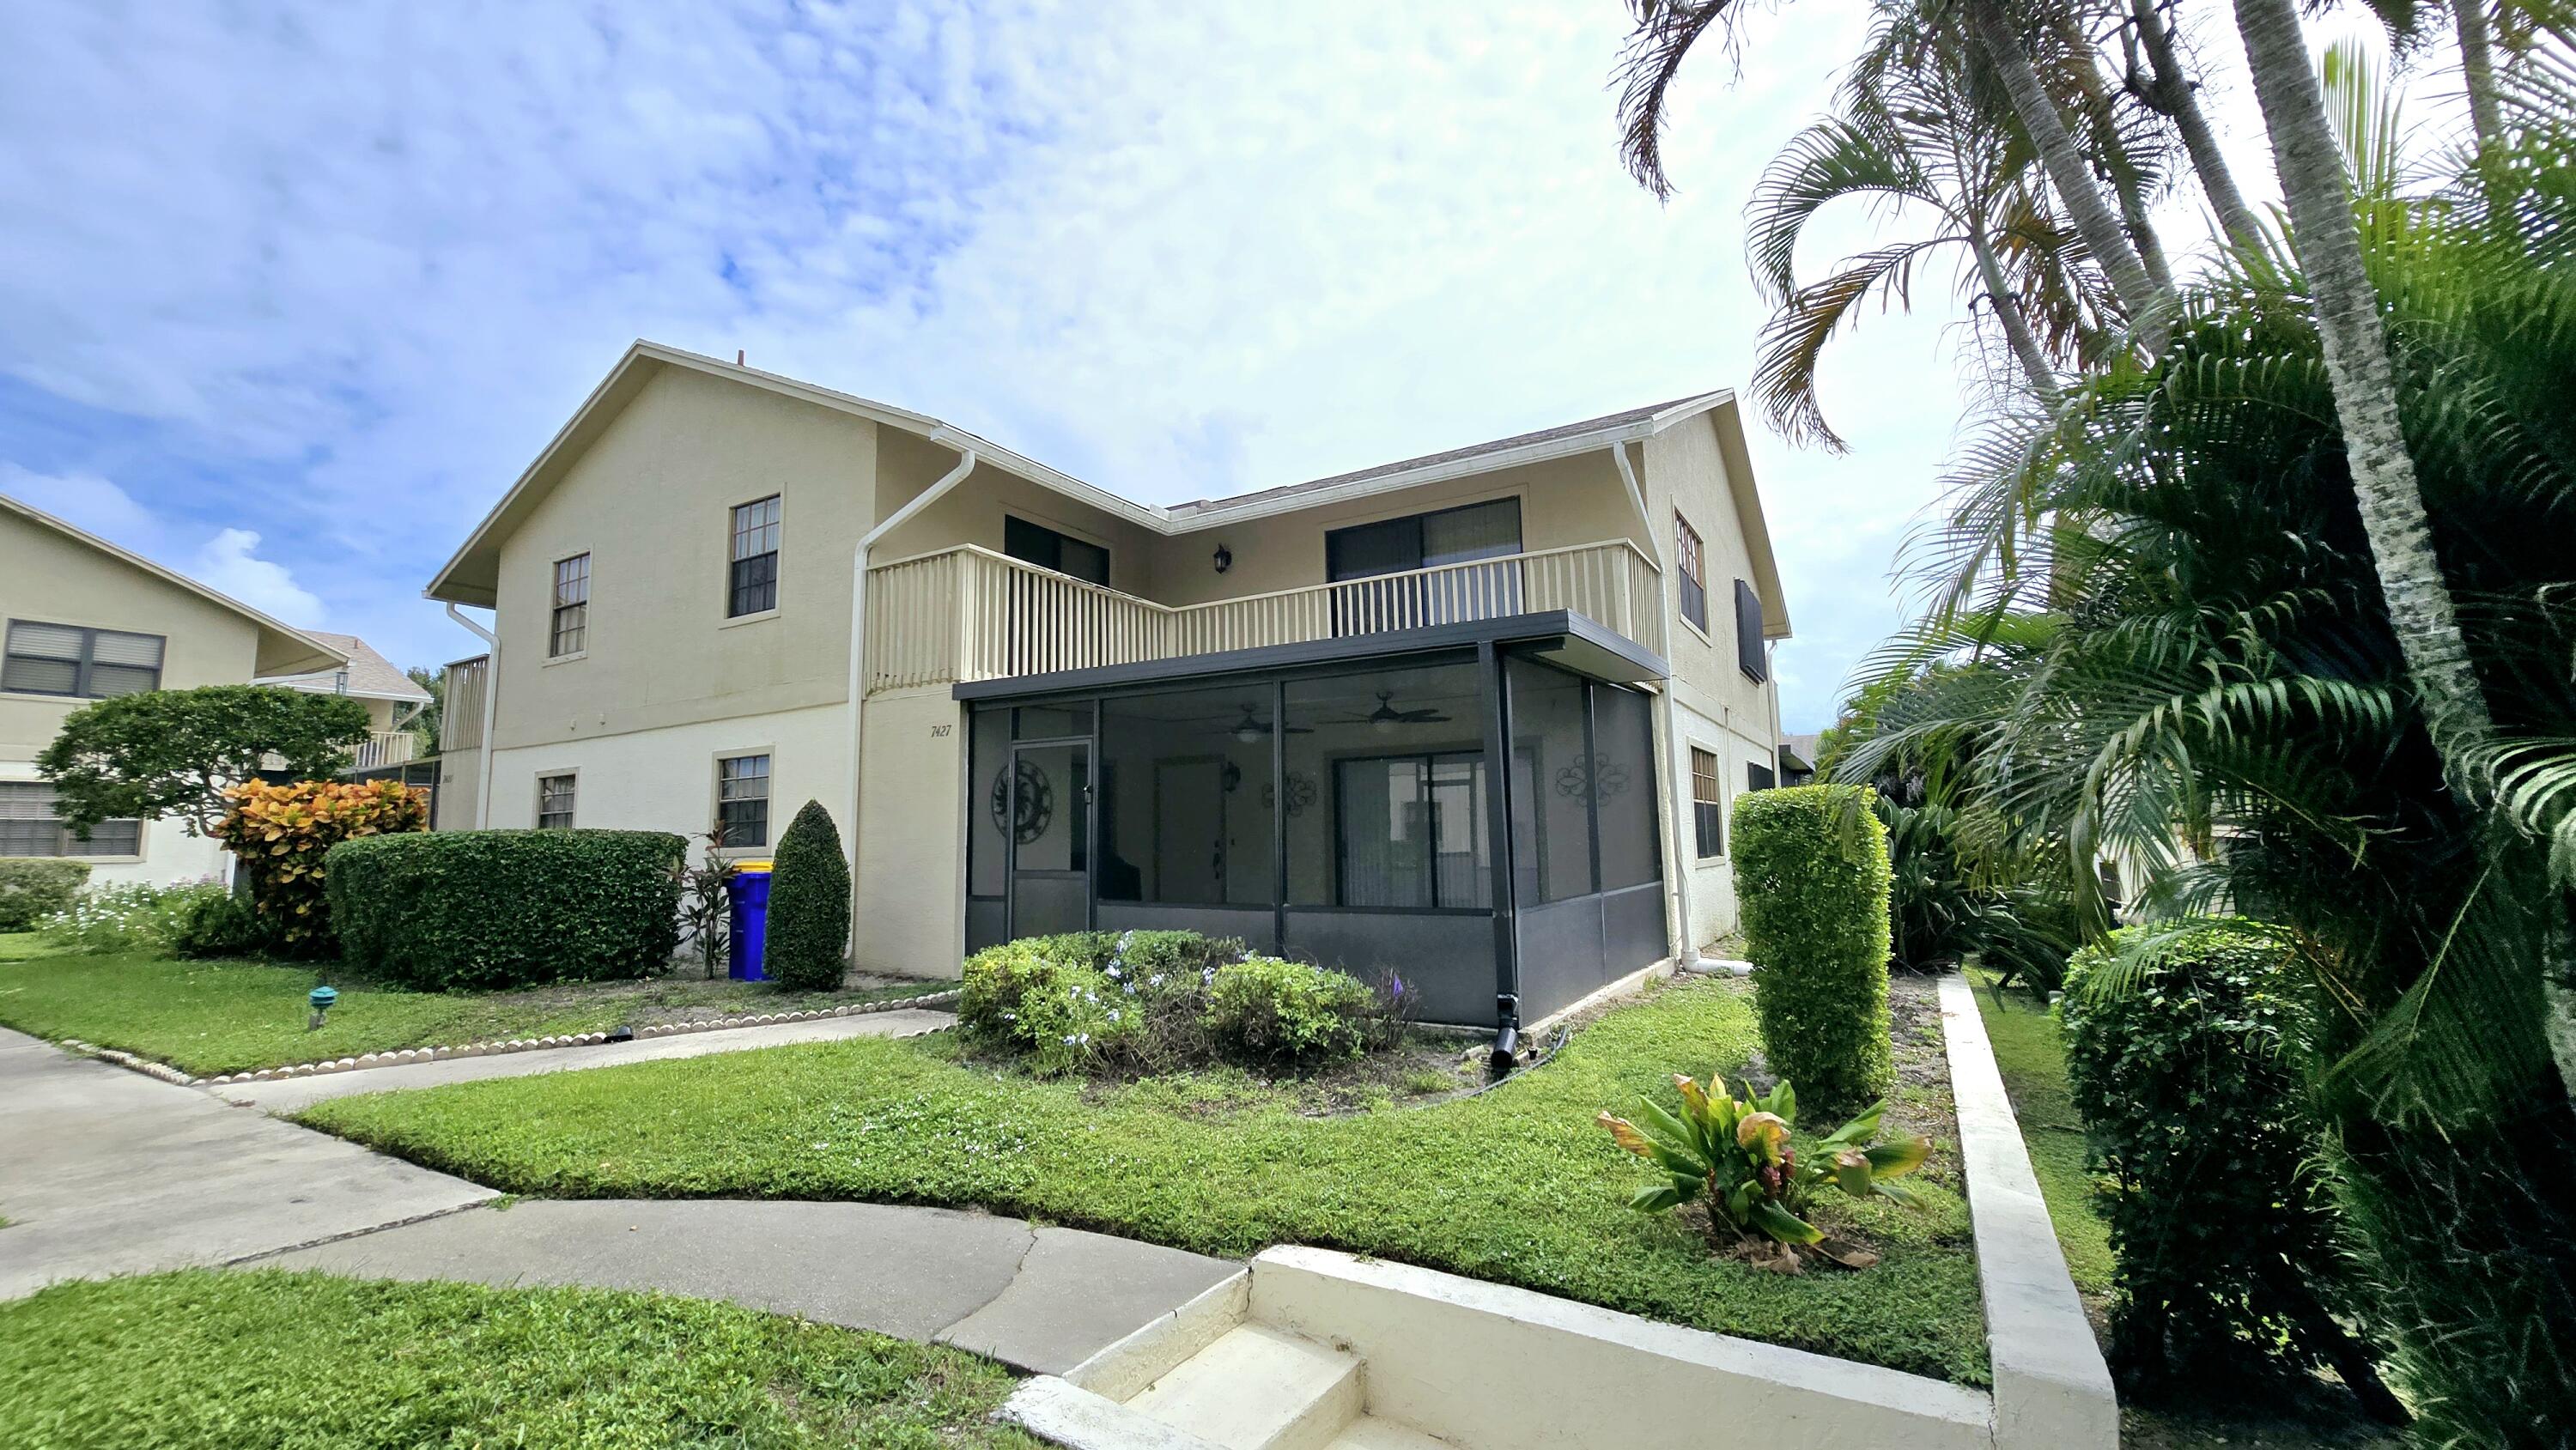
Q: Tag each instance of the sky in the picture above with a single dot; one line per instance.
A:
(292, 294)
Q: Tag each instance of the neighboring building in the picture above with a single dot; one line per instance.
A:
(1798, 758)
(393, 700)
(86, 620)
(1271, 716)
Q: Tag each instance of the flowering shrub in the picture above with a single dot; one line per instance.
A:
(280, 832)
(1154, 1001)
(132, 917)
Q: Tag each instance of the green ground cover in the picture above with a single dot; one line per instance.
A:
(2033, 1063)
(1517, 1185)
(210, 1360)
(236, 1016)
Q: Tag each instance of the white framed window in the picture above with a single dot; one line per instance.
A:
(742, 800)
(555, 802)
(29, 827)
(1708, 804)
(568, 632)
(751, 582)
(74, 660)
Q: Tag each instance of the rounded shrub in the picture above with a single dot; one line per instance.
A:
(809, 905)
(2183, 1054)
(1288, 1014)
(35, 887)
(482, 909)
(210, 921)
(1811, 886)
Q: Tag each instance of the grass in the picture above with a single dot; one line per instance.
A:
(237, 1016)
(1517, 1185)
(207, 1360)
(2033, 1063)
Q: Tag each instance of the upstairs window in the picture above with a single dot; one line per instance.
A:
(570, 632)
(554, 802)
(751, 587)
(1037, 544)
(1708, 804)
(1749, 654)
(89, 664)
(28, 827)
(1692, 556)
(742, 800)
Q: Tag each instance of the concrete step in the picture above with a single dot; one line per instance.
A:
(1368, 1432)
(1259, 1388)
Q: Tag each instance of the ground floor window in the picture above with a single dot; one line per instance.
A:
(29, 827)
(554, 802)
(742, 799)
(1708, 804)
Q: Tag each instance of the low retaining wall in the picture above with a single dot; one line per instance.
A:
(2052, 1388)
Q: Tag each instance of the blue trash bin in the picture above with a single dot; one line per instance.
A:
(749, 888)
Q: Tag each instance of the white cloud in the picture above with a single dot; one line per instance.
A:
(229, 564)
(85, 501)
(369, 257)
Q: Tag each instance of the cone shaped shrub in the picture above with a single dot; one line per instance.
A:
(1811, 881)
(809, 904)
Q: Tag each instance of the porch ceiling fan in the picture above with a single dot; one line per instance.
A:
(1386, 717)
(1252, 727)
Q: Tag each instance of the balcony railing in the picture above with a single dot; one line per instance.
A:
(460, 717)
(970, 614)
(382, 748)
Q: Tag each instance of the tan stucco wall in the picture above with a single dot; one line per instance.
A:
(58, 580)
(651, 503)
(972, 512)
(910, 915)
(1567, 501)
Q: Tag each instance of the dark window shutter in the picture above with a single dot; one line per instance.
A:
(1748, 633)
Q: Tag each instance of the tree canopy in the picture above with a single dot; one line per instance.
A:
(174, 752)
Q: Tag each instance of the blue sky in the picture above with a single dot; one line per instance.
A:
(291, 296)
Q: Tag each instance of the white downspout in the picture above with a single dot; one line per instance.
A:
(859, 636)
(491, 699)
(1683, 862)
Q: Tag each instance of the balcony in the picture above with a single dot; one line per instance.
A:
(383, 749)
(967, 613)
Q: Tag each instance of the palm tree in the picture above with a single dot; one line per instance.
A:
(2165, 86)
(1912, 138)
(1667, 30)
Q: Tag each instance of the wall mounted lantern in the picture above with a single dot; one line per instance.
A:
(1224, 558)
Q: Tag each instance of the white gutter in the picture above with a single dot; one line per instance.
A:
(491, 699)
(859, 626)
(1685, 935)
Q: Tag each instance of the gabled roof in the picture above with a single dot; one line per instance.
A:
(472, 575)
(370, 676)
(281, 648)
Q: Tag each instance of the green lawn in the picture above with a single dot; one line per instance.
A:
(211, 1360)
(1517, 1185)
(231, 1016)
(2033, 1063)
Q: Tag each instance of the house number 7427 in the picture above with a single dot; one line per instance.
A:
(936, 731)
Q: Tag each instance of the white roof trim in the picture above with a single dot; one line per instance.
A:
(326, 656)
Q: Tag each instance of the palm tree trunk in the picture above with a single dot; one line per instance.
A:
(2477, 70)
(2175, 96)
(2328, 244)
(2068, 174)
(2008, 313)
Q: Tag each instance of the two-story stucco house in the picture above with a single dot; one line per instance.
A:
(1473, 717)
(86, 620)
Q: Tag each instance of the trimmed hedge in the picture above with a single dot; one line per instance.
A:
(809, 905)
(35, 887)
(2185, 1061)
(1811, 883)
(483, 909)
(283, 835)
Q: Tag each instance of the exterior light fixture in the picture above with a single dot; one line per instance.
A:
(321, 999)
(1224, 558)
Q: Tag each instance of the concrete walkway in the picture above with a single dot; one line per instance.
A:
(105, 1171)
(288, 1095)
(1037, 1298)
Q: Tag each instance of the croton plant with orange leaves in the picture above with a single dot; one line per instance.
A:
(1736, 1154)
(280, 833)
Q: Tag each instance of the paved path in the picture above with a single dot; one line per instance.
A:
(288, 1095)
(1037, 1298)
(105, 1171)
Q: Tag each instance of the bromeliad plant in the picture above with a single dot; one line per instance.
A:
(1735, 1154)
